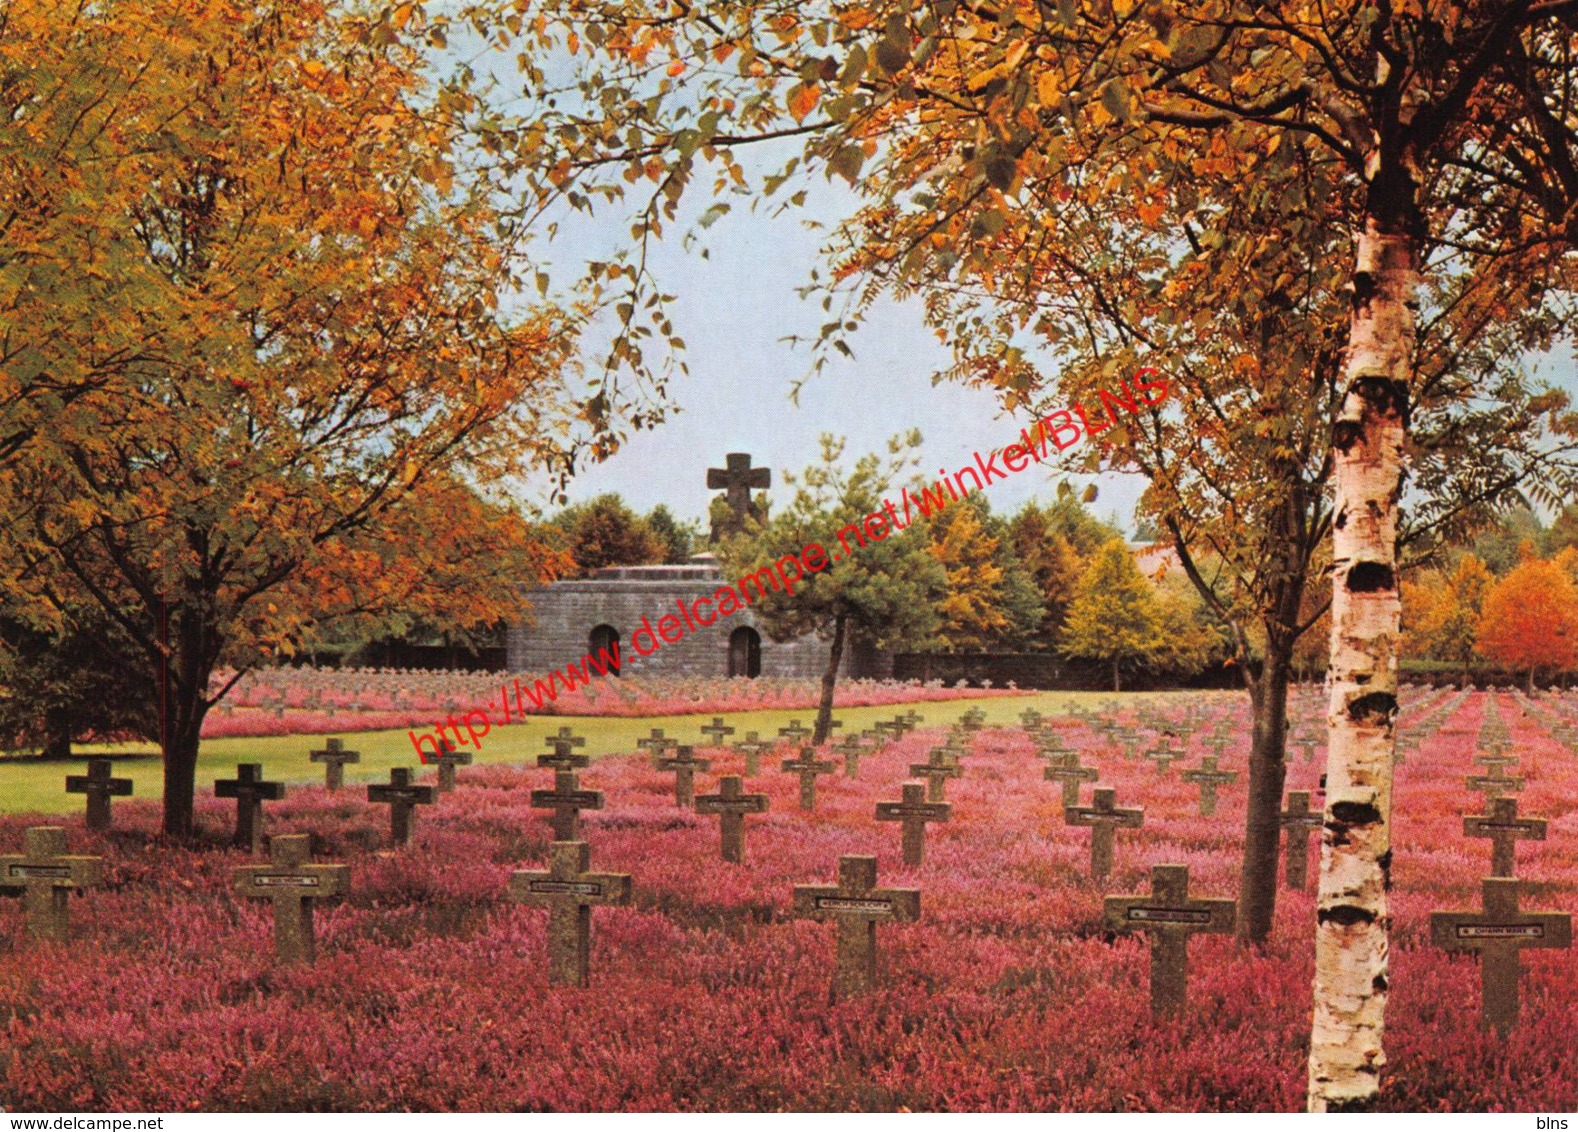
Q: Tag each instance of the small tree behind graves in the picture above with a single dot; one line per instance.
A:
(880, 594)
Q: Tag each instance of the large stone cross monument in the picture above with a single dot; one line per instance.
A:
(736, 479)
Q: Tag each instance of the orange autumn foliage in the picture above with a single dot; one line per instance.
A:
(1529, 622)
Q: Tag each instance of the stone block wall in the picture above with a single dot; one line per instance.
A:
(565, 613)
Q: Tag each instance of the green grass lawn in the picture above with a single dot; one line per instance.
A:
(32, 786)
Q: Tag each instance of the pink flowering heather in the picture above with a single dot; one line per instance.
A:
(322, 701)
(430, 989)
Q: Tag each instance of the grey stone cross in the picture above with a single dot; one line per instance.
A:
(731, 804)
(448, 760)
(684, 763)
(736, 479)
(809, 768)
(857, 906)
(566, 800)
(1067, 770)
(753, 749)
(293, 883)
(1300, 822)
(940, 766)
(100, 787)
(1171, 917)
(1208, 778)
(334, 757)
(569, 890)
(1498, 933)
(44, 876)
(1496, 784)
(1504, 828)
(250, 791)
(913, 813)
(852, 748)
(1103, 817)
(402, 796)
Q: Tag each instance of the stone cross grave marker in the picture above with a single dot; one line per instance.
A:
(851, 747)
(657, 743)
(1049, 744)
(569, 890)
(753, 749)
(1171, 917)
(1164, 754)
(334, 756)
(293, 883)
(794, 732)
(857, 906)
(717, 731)
(1496, 784)
(731, 804)
(447, 760)
(1125, 738)
(250, 790)
(566, 800)
(100, 787)
(564, 741)
(1498, 933)
(44, 875)
(913, 813)
(402, 796)
(736, 479)
(972, 720)
(1505, 829)
(684, 763)
(1495, 759)
(1104, 818)
(809, 768)
(1300, 822)
(941, 765)
(1208, 778)
(1030, 719)
(1067, 770)
(563, 757)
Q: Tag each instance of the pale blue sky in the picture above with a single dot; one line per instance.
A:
(735, 307)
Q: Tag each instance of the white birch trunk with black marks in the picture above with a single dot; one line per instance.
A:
(1351, 973)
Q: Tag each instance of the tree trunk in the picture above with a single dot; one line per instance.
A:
(183, 704)
(824, 712)
(1352, 918)
(57, 734)
(1257, 891)
(1115, 685)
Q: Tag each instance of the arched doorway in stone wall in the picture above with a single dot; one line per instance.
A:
(745, 652)
(605, 638)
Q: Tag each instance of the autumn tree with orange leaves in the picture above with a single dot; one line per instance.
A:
(1529, 621)
(263, 358)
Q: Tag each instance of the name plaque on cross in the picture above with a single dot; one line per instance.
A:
(285, 881)
(571, 887)
(1500, 931)
(41, 872)
(1167, 916)
(844, 904)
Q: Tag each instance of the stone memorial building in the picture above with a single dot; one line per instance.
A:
(580, 616)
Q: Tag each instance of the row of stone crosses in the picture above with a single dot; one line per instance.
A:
(44, 874)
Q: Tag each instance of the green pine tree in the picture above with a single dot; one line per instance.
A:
(882, 593)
